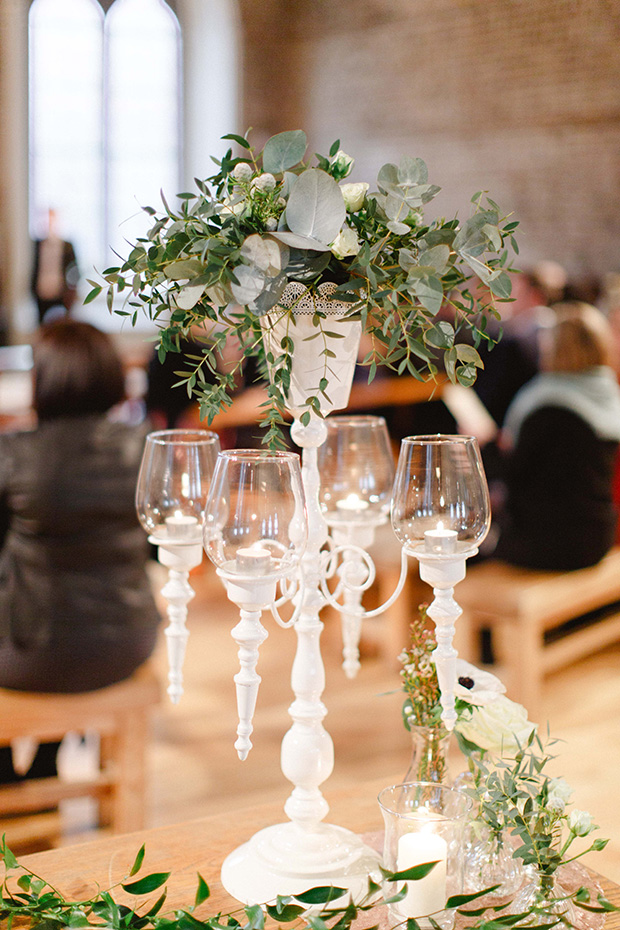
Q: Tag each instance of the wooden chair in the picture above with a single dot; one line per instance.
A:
(540, 621)
(119, 714)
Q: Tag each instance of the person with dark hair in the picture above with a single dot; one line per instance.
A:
(76, 608)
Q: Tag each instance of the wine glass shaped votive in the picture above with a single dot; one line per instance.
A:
(356, 465)
(357, 471)
(173, 483)
(171, 495)
(440, 513)
(441, 500)
(255, 523)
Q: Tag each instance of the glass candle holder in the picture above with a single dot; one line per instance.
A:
(255, 520)
(441, 500)
(357, 470)
(173, 483)
(425, 822)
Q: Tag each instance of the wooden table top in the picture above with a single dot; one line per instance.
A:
(201, 846)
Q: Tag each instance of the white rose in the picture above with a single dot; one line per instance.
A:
(342, 164)
(559, 788)
(346, 243)
(580, 823)
(556, 804)
(242, 171)
(500, 727)
(264, 182)
(354, 195)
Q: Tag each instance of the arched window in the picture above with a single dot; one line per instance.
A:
(105, 118)
(66, 126)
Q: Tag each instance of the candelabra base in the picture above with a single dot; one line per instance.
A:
(285, 859)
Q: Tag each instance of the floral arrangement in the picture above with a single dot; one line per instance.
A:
(520, 807)
(219, 266)
(487, 721)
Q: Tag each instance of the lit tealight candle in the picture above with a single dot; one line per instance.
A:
(425, 895)
(440, 540)
(254, 560)
(182, 526)
(352, 503)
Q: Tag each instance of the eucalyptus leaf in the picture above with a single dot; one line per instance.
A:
(316, 206)
(188, 297)
(399, 229)
(250, 284)
(501, 286)
(388, 180)
(285, 150)
(300, 242)
(471, 237)
(266, 253)
(304, 265)
(441, 335)
(429, 292)
(396, 208)
(269, 296)
(412, 171)
(437, 257)
(185, 268)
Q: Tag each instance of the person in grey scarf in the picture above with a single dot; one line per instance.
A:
(560, 438)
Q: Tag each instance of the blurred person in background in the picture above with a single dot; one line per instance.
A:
(560, 441)
(76, 608)
(55, 273)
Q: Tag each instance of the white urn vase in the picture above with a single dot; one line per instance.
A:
(317, 353)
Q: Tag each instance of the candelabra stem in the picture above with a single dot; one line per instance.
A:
(291, 857)
(442, 573)
(179, 560)
(249, 634)
(307, 748)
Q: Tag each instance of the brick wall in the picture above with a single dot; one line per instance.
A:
(520, 97)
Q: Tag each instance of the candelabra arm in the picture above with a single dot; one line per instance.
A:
(293, 593)
(404, 566)
(249, 634)
(179, 559)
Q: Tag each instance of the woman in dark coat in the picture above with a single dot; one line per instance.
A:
(562, 433)
(76, 609)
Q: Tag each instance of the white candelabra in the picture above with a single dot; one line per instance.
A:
(267, 525)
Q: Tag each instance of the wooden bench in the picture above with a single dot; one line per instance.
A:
(119, 714)
(540, 621)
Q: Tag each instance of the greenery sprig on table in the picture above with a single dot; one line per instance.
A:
(518, 795)
(217, 266)
(29, 901)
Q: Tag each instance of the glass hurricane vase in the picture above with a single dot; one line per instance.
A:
(429, 754)
(548, 903)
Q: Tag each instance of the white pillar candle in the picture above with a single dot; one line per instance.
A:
(352, 503)
(181, 526)
(426, 895)
(253, 560)
(440, 540)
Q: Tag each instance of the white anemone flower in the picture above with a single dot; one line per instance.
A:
(476, 686)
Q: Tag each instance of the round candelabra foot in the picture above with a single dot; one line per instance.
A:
(285, 859)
